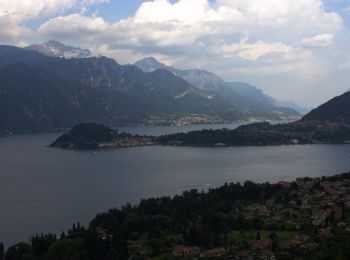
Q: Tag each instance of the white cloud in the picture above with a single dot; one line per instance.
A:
(345, 65)
(10, 28)
(14, 13)
(22, 10)
(203, 31)
(30, 9)
(297, 14)
(254, 51)
(182, 11)
(74, 26)
(161, 23)
(318, 41)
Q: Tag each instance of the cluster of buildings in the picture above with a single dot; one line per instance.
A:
(185, 120)
(183, 251)
(127, 142)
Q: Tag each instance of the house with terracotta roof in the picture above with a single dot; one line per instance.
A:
(268, 255)
(182, 251)
(260, 245)
(220, 251)
(244, 255)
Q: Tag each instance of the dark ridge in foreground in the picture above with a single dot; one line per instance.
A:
(308, 218)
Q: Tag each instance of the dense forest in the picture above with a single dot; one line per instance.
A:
(232, 220)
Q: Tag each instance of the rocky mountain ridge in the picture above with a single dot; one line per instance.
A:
(59, 50)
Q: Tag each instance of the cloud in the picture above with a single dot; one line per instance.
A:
(318, 41)
(254, 51)
(14, 13)
(188, 20)
(10, 28)
(345, 65)
(22, 10)
(249, 33)
(74, 27)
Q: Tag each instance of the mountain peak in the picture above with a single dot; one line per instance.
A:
(150, 64)
(151, 60)
(53, 42)
(57, 49)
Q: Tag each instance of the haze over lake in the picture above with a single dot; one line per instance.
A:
(46, 190)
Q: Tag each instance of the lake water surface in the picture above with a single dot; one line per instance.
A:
(46, 190)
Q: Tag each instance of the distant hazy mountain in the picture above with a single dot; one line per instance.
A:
(335, 110)
(59, 50)
(300, 109)
(248, 99)
(246, 89)
(201, 79)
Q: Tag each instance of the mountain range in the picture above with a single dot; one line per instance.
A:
(42, 90)
(249, 98)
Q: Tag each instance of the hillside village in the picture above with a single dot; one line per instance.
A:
(309, 214)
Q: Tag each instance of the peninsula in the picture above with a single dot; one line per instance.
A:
(95, 136)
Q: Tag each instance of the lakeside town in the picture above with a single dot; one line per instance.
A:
(196, 119)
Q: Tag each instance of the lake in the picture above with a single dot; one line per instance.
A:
(46, 190)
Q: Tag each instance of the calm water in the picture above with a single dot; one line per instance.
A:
(46, 190)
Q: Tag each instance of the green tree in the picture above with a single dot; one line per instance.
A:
(258, 237)
(67, 249)
(19, 252)
(112, 254)
(2, 251)
(273, 237)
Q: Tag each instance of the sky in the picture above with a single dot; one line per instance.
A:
(294, 50)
